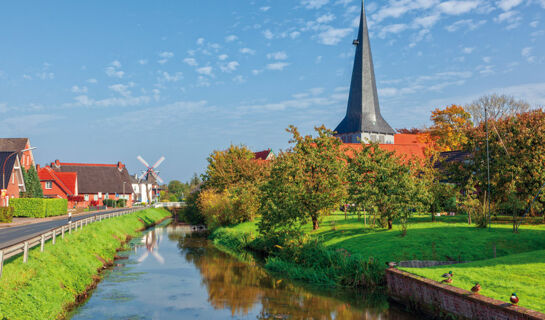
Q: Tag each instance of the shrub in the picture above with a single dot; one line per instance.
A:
(109, 202)
(121, 203)
(38, 208)
(6, 214)
(217, 208)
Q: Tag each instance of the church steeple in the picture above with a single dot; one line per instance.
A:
(363, 120)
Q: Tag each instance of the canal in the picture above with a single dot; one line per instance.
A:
(172, 273)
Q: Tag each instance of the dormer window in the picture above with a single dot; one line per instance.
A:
(49, 185)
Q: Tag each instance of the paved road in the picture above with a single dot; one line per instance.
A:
(13, 235)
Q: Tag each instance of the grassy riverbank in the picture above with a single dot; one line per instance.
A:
(51, 280)
(518, 267)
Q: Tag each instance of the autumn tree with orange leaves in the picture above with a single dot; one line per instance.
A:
(449, 127)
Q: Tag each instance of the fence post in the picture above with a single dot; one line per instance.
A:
(1, 261)
(81, 225)
(70, 227)
(54, 237)
(25, 252)
(42, 243)
(62, 232)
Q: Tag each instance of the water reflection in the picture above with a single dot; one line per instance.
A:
(189, 278)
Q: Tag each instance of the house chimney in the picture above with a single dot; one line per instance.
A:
(37, 167)
(57, 163)
(120, 165)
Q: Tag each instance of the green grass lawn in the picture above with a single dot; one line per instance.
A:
(520, 273)
(519, 265)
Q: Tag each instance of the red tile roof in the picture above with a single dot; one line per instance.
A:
(406, 138)
(408, 151)
(262, 155)
(65, 180)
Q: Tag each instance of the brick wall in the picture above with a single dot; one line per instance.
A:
(438, 299)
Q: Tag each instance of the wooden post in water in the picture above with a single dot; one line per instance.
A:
(25, 252)
(42, 243)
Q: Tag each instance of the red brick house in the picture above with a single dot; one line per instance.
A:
(26, 158)
(97, 182)
(11, 177)
(264, 155)
(63, 185)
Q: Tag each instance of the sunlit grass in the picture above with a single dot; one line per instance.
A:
(520, 273)
(43, 287)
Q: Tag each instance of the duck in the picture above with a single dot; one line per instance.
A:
(447, 280)
(391, 264)
(447, 275)
(476, 288)
(514, 299)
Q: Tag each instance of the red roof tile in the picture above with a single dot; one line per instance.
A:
(262, 155)
(65, 180)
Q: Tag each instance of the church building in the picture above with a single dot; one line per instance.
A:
(363, 121)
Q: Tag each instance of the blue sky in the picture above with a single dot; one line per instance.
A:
(102, 81)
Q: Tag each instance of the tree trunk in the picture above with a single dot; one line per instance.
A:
(315, 223)
(390, 223)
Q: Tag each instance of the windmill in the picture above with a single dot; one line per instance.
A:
(150, 175)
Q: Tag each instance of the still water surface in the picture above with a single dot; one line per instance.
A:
(171, 273)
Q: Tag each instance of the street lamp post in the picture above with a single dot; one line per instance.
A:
(4, 165)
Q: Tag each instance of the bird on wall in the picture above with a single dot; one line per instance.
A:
(514, 299)
(447, 275)
(476, 288)
(447, 280)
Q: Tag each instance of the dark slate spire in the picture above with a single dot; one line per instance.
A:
(363, 112)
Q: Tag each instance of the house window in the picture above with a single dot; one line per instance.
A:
(86, 197)
(49, 185)
(95, 197)
(99, 195)
(107, 196)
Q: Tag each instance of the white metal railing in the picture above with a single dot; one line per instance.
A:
(168, 204)
(24, 245)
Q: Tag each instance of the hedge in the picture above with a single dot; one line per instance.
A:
(6, 214)
(38, 208)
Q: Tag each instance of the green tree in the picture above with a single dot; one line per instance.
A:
(306, 182)
(32, 184)
(177, 189)
(385, 185)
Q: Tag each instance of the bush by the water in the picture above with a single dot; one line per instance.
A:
(6, 214)
(38, 207)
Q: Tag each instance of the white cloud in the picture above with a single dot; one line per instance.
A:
(428, 21)
(85, 101)
(512, 18)
(295, 34)
(45, 75)
(281, 55)
(392, 28)
(277, 65)
(191, 61)
(468, 50)
(112, 70)
(487, 59)
(172, 77)
(122, 89)
(205, 71)
(457, 7)
(255, 72)
(325, 18)
(143, 61)
(467, 24)
(534, 24)
(92, 80)
(239, 79)
(200, 41)
(318, 60)
(230, 67)
(231, 38)
(247, 51)
(223, 57)
(527, 53)
(314, 4)
(268, 34)
(333, 36)
(396, 9)
(78, 89)
(265, 9)
(507, 5)
(27, 77)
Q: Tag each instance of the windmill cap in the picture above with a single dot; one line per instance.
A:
(514, 294)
